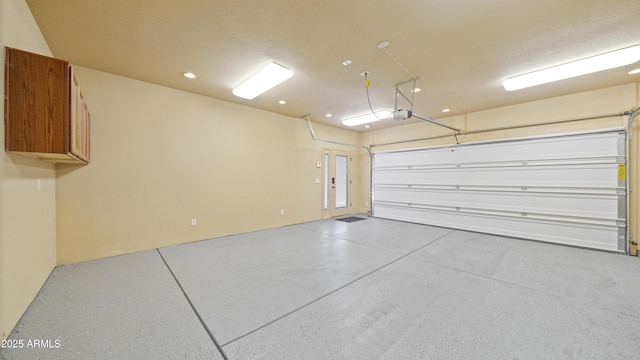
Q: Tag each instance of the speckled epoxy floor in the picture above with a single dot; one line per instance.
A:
(373, 289)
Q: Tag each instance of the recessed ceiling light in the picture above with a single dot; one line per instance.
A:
(328, 115)
(446, 110)
(571, 69)
(282, 102)
(347, 62)
(367, 126)
(189, 75)
(268, 77)
(632, 72)
(416, 90)
(367, 118)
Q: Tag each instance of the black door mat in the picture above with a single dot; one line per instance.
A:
(351, 219)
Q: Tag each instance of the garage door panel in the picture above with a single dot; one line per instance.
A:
(582, 235)
(604, 175)
(576, 204)
(564, 189)
(549, 148)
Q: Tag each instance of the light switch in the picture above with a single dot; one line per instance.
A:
(317, 181)
(318, 164)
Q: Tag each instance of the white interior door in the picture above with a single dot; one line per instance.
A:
(336, 183)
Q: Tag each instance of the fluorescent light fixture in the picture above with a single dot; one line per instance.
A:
(635, 71)
(568, 70)
(446, 110)
(367, 118)
(189, 75)
(282, 102)
(268, 77)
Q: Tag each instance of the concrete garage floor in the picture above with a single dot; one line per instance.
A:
(372, 289)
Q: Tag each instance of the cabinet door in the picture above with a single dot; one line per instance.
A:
(79, 122)
(36, 112)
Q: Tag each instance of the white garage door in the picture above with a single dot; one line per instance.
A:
(566, 189)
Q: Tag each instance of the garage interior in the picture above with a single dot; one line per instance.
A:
(470, 220)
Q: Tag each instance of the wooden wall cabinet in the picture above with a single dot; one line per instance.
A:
(45, 115)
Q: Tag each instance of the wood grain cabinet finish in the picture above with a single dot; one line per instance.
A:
(45, 114)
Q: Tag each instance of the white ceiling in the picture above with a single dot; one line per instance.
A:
(461, 50)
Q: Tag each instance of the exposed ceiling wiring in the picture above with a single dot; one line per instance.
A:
(398, 62)
(367, 82)
(366, 85)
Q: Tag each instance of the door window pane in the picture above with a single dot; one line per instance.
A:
(341, 181)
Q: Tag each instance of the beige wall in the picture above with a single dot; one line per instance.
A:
(160, 157)
(603, 101)
(27, 216)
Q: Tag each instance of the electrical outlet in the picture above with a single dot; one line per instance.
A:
(194, 222)
(281, 211)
